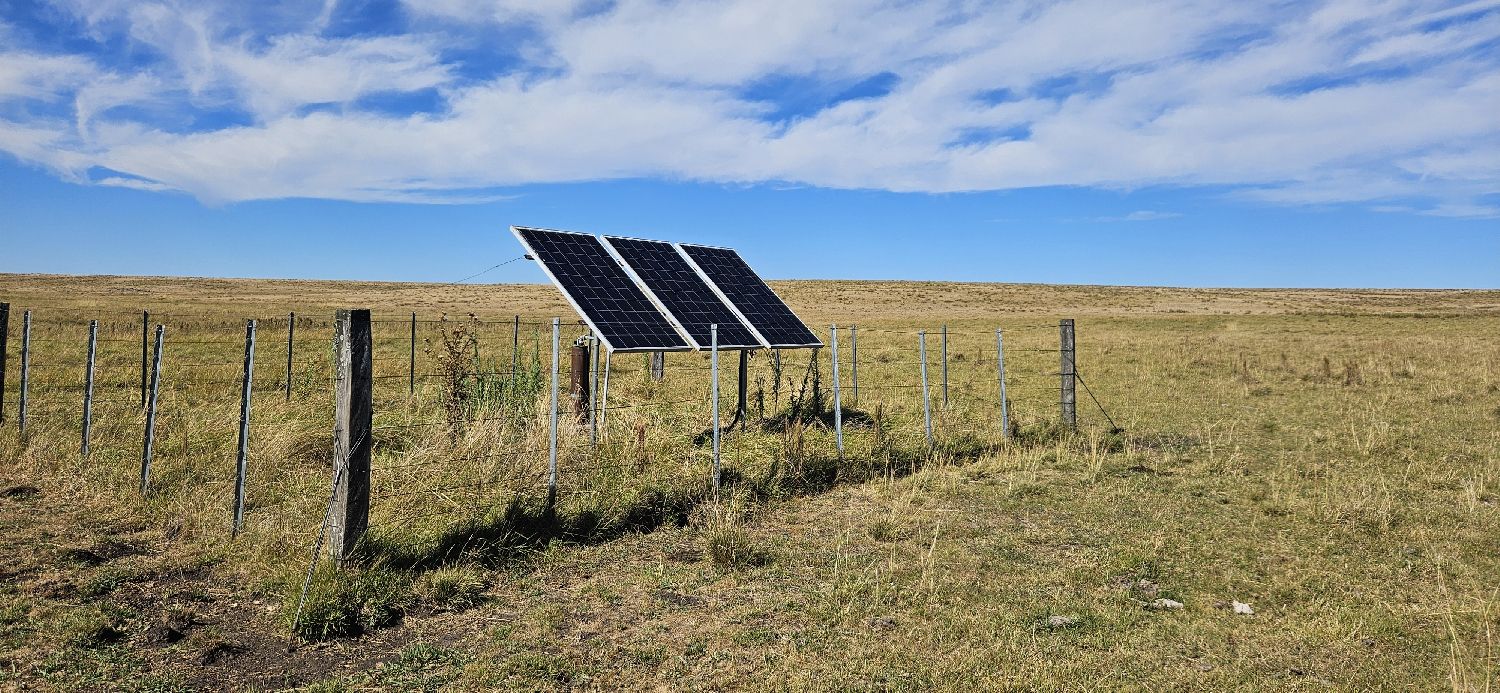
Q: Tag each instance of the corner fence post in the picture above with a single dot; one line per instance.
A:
(926, 394)
(713, 352)
(353, 411)
(153, 392)
(88, 387)
(1000, 366)
(291, 330)
(145, 352)
(241, 458)
(1068, 396)
(854, 360)
(552, 428)
(4, 351)
(838, 402)
(25, 369)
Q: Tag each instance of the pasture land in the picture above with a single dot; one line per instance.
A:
(1329, 458)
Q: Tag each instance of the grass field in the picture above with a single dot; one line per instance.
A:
(1329, 458)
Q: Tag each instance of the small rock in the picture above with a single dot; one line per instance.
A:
(1165, 604)
(1060, 621)
(1243, 609)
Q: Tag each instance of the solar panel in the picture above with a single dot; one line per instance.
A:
(676, 286)
(761, 308)
(600, 290)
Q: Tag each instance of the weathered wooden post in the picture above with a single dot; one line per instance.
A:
(88, 387)
(25, 369)
(4, 351)
(291, 330)
(1069, 398)
(658, 365)
(353, 411)
(154, 392)
(838, 403)
(241, 458)
(578, 383)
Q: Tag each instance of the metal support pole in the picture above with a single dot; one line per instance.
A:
(241, 458)
(714, 366)
(1069, 396)
(594, 359)
(291, 331)
(411, 382)
(154, 392)
(854, 359)
(926, 394)
(515, 348)
(742, 402)
(4, 352)
(838, 404)
(25, 368)
(88, 387)
(552, 428)
(945, 366)
(145, 352)
(1000, 366)
(604, 397)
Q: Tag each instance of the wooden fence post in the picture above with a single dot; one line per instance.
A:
(1069, 397)
(88, 387)
(241, 462)
(4, 351)
(151, 399)
(353, 411)
(578, 387)
(658, 365)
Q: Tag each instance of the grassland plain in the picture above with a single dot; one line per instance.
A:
(1329, 458)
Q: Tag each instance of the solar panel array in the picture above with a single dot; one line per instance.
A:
(607, 298)
(748, 293)
(674, 283)
(640, 295)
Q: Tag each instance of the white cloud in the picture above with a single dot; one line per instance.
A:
(1143, 215)
(1383, 102)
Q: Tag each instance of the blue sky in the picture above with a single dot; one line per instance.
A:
(1337, 143)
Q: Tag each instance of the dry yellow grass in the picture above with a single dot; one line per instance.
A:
(1329, 457)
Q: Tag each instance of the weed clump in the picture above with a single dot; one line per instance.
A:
(726, 543)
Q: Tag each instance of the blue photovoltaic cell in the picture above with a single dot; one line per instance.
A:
(679, 288)
(601, 290)
(765, 311)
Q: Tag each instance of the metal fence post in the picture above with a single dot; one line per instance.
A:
(153, 392)
(604, 397)
(926, 394)
(515, 348)
(411, 383)
(1000, 366)
(4, 352)
(145, 352)
(1069, 397)
(945, 366)
(25, 369)
(88, 387)
(552, 428)
(594, 360)
(854, 360)
(291, 330)
(241, 458)
(714, 366)
(353, 414)
(838, 403)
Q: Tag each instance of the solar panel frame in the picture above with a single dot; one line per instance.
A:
(677, 316)
(740, 310)
(683, 344)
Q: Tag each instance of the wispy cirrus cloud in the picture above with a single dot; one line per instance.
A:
(1388, 103)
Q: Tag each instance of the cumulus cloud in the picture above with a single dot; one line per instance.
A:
(1389, 103)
